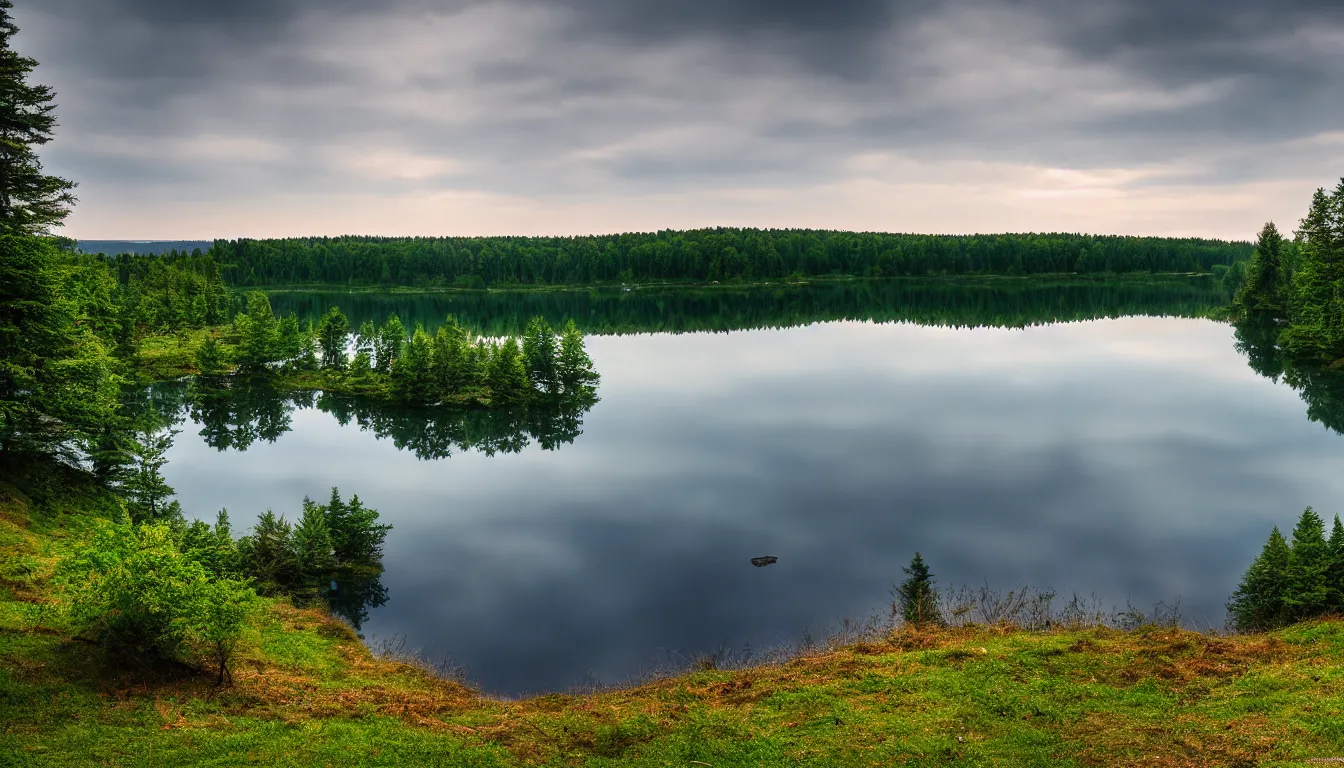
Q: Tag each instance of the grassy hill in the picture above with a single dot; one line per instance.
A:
(309, 693)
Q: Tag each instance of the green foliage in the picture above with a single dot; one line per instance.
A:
(31, 202)
(541, 356)
(209, 358)
(413, 371)
(57, 387)
(332, 331)
(916, 599)
(148, 496)
(721, 254)
(1264, 285)
(1304, 281)
(574, 367)
(391, 340)
(1292, 582)
(507, 375)
(213, 547)
(269, 555)
(313, 547)
(134, 591)
(356, 535)
(259, 343)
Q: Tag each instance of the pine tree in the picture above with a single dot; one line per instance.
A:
(1334, 576)
(259, 342)
(1260, 601)
(31, 202)
(149, 498)
(574, 367)
(1265, 283)
(508, 375)
(332, 333)
(412, 374)
(357, 537)
(449, 368)
(1316, 327)
(1308, 593)
(209, 360)
(312, 543)
(269, 556)
(366, 340)
(540, 355)
(391, 341)
(915, 597)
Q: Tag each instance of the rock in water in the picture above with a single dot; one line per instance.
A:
(761, 562)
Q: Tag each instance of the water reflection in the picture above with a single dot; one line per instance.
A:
(1321, 387)
(234, 413)
(958, 302)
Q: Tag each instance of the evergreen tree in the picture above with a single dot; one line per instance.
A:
(1316, 327)
(1265, 283)
(450, 366)
(209, 359)
(1260, 602)
(916, 598)
(508, 375)
(357, 537)
(1334, 577)
(31, 202)
(412, 374)
(575, 368)
(296, 345)
(541, 355)
(1308, 593)
(259, 343)
(366, 339)
(312, 543)
(269, 556)
(391, 341)
(332, 332)
(149, 498)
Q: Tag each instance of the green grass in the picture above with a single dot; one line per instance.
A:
(308, 693)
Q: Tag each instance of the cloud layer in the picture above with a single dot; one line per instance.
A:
(458, 116)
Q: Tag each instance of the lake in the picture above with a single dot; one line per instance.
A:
(1135, 457)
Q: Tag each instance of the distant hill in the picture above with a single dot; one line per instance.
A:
(142, 247)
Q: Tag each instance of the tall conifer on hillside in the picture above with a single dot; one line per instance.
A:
(57, 392)
(31, 202)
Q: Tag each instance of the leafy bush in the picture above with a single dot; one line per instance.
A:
(138, 595)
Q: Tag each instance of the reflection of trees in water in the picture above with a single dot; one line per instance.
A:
(1005, 302)
(235, 414)
(351, 597)
(1321, 387)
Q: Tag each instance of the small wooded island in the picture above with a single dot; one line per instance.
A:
(450, 367)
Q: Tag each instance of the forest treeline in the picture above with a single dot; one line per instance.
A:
(1298, 284)
(703, 255)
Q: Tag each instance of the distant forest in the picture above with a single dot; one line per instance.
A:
(705, 255)
(142, 247)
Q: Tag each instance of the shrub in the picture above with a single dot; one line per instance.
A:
(135, 592)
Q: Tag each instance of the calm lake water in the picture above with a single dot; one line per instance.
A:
(1138, 458)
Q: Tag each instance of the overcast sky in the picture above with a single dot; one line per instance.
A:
(184, 119)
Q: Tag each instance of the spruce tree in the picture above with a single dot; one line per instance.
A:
(149, 498)
(31, 202)
(574, 366)
(332, 333)
(449, 367)
(269, 556)
(412, 372)
(916, 598)
(508, 375)
(1308, 594)
(1260, 601)
(541, 356)
(1264, 286)
(209, 360)
(391, 341)
(312, 543)
(259, 342)
(1334, 576)
(1316, 327)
